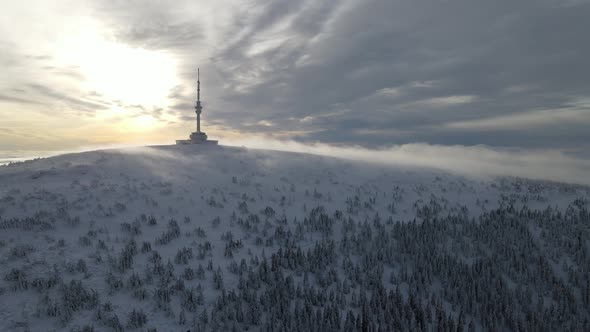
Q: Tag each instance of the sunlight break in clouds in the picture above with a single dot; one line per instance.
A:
(468, 160)
(117, 71)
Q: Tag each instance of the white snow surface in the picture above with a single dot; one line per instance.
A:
(99, 190)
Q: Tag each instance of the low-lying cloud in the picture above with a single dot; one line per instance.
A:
(552, 165)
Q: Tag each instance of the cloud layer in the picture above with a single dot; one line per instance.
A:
(372, 73)
(476, 161)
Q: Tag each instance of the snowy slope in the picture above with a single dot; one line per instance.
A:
(103, 218)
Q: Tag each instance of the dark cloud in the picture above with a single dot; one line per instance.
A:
(150, 24)
(19, 100)
(368, 72)
(42, 57)
(484, 60)
(149, 35)
(6, 130)
(80, 104)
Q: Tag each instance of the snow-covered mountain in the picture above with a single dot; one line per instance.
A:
(174, 238)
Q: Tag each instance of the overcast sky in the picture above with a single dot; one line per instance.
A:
(375, 73)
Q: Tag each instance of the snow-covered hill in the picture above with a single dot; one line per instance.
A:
(195, 237)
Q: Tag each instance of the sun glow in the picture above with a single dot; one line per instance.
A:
(118, 72)
(146, 122)
(128, 121)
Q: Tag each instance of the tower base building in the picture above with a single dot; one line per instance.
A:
(196, 138)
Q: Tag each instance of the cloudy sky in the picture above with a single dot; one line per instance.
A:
(373, 73)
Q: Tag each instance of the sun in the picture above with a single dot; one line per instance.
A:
(132, 80)
(132, 76)
(118, 72)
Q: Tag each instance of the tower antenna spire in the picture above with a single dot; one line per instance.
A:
(198, 107)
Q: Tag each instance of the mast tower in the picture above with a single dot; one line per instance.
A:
(197, 137)
(198, 106)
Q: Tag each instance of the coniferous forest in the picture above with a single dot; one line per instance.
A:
(268, 241)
